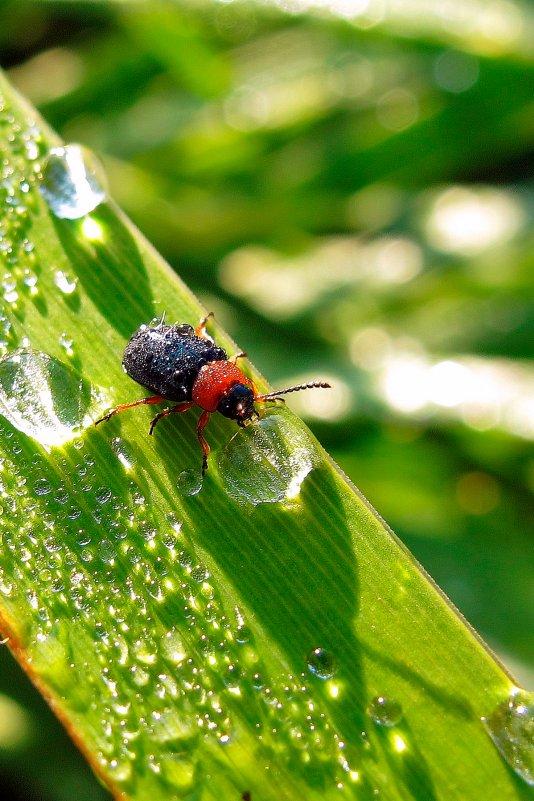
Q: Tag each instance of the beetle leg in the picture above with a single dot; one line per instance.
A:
(200, 330)
(179, 408)
(123, 406)
(201, 425)
(240, 355)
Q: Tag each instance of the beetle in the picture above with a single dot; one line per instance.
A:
(183, 364)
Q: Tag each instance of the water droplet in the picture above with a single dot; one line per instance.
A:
(66, 343)
(29, 279)
(243, 634)
(106, 551)
(123, 453)
(268, 461)
(52, 544)
(200, 573)
(171, 729)
(102, 495)
(321, 663)
(64, 283)
(385, 711)
(42, 487)
(511, 727)
(72, 182)
(185, 558)
(173, 648)
(43, 398)
(189, 482)
(120, 771)
(61, 495)
(9, 289)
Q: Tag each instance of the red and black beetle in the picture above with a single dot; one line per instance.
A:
(182, 364)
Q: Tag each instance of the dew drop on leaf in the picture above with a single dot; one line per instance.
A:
(9, 289)
(385, 711)
(243, 634)
(43, 398)
(120, 771)
(123, 453)
(321, 663)
(66, 343)
(42, 487)
(102, 495)
(189, 482)
(200, 573)
(29, 279)
(268, 461)
(511, 727)
(64, 283)
(72, 182)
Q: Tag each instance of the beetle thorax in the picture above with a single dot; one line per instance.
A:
(215, 381)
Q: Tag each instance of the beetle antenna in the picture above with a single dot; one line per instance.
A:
(162, 320)
(296, 388)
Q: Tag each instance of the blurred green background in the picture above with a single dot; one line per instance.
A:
(349, 185)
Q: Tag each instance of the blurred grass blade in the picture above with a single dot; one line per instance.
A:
(266, 635)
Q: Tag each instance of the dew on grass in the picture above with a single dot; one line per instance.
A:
(44, 398)
(72, 182)
(511, 727)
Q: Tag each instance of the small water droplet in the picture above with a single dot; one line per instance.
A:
(61, 495)
(173, 648)
(268, 461)
(72, 182)
(385, 711)
(321, 663)
(73, 512)
(102, 495)
(189, 482)
(66, 343)
(29, 279)
(64, 283)
(145, 651)
(42, 487)
(185, 558)
(200, 573)
(106, 551)
(52, 544)
(243, 634)
(123, 453)
(43, 398)
(231, 675)
(120, 771)
(9, 289)
(257, 681)
(511, 727)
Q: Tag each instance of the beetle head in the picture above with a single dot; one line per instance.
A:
(238, 403)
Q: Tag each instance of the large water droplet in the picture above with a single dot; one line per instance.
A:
(72, 182)
(511, 727)
(268, 461)
(385, 711)
(321, 663)
(44, 398)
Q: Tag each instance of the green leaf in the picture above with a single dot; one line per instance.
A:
(266, 635)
